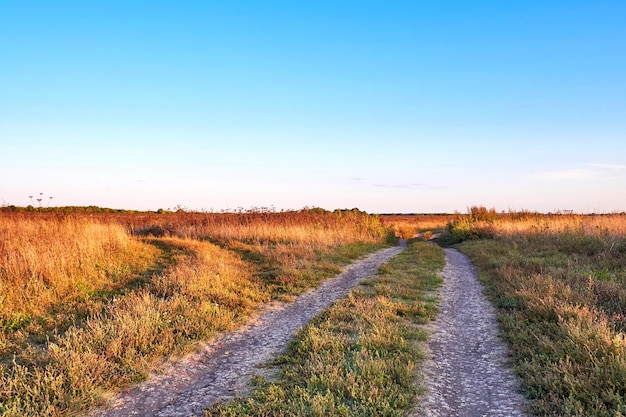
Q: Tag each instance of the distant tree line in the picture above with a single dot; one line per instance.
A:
(65, 209)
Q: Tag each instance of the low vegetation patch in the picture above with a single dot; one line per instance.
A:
(57, 271)
(191, 300)
(559, 283)
(91, 303)
(408, 226)
(359, 357)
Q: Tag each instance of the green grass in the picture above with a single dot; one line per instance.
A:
(196, 291)
(360, 356)
(287, 270)
(201, 290)
(561, 299)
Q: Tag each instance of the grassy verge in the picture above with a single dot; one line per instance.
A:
(88, 307)
(360, 356)
(561, 298)
(191, 300)
(287, 270)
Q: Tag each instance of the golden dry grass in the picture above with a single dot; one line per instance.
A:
(593, 225)
(55, 270)
(480, 223)
(91, 303)
(407, 226)
(559, 282)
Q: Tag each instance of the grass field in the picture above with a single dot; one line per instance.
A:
(407, 226)
(359, 357)
(559, 283)
(92, 302)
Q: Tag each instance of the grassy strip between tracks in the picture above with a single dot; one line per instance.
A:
(359, 357)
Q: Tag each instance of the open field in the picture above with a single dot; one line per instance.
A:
(360, 356)
(408, 225)
(559, 283)
(92, 302)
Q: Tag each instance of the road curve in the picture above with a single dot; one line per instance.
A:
(223, 368)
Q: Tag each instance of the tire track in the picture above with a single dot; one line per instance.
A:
(223, 368)
(467, 372)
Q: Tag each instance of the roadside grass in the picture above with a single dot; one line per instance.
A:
(290, 251)
(191, 300)
(289, 269)
(91, 304)
(360, 356)
(560, 288)
(55, 272)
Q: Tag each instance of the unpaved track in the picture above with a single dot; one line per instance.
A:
(223, 368)
(466, 374)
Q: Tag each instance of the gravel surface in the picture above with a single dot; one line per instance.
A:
(223, 368)
(466, 373)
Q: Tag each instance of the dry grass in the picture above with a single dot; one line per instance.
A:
(483, 223)
(592, 225)
(360, 356)
(292, 251)
(559, 283)
(57, 270)
(91, 303)
(314, 227)
(407, 226)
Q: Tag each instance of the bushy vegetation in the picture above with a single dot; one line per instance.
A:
(559, 282)
(92, 302)
(408, 226)
(481, 222)
(360, 356)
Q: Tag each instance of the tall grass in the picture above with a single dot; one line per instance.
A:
(54, 271)
(191, 300)
(316, 227)
(292, 251)
(407, 226)
(480, 222)
(559, 283)
(92, 303)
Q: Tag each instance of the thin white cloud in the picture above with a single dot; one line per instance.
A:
(409, 185)
(576, 174)
(400, 185)
(612, 167)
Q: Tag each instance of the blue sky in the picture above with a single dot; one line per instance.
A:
(394, 106)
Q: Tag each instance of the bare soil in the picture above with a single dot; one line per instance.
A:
(467, 373)
(223, 368)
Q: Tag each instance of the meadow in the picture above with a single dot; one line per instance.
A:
(408, 226)
(91, 302)
(361, 356)
(559, 284)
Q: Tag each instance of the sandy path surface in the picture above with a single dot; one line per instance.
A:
(466, 374)
(223, 368)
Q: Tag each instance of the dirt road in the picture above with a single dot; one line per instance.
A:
(466, 374)
(224, 367)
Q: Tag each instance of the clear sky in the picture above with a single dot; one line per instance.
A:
(388, 106)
